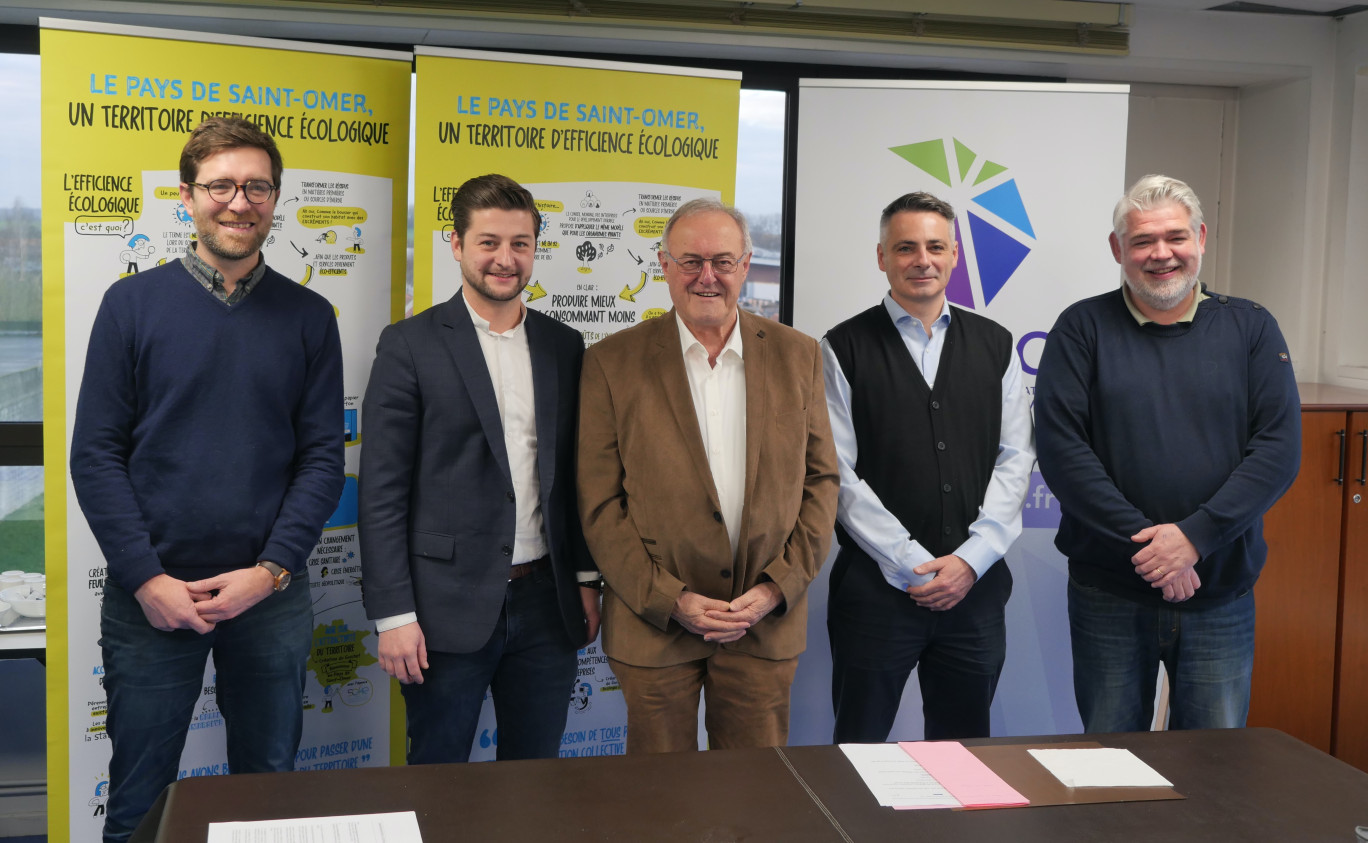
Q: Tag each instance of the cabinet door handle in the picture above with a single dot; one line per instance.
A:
(1363, 458)
(1344, 455)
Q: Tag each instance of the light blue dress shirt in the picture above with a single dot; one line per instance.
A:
(876, 530)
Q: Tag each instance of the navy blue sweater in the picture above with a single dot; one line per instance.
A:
(1195, 424)
(208, 437)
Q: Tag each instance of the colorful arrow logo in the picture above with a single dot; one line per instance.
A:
(998, 240)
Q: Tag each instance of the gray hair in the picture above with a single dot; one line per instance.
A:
(707, 205)
(918, 202)
(1149, 193)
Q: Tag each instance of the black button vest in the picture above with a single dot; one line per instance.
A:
(928, 453)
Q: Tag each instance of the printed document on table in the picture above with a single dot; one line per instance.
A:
(400, 827)
(895, 778)
(1100, 767)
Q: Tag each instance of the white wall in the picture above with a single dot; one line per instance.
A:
(1345, 341)
(1188, 132)
(1272, 246)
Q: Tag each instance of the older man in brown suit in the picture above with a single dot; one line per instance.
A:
(707, 484)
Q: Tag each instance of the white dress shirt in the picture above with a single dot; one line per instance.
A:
(719, 399)
(876, 530)
(509, 361)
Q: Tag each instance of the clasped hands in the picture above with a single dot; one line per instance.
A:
(720, 622)
(169, 603)
(953, 579)
(1166, 561)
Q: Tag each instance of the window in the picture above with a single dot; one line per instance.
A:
(21, 254)
(760, 194)
(21, 274)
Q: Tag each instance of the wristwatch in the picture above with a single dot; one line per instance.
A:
(596, 584)
(281, 576)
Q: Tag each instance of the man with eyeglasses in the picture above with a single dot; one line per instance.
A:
(933, 434)
(206, 456)
(707, 486)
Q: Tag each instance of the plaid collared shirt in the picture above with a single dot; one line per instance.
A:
(212, 279)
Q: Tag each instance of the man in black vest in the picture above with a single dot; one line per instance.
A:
(933, 435)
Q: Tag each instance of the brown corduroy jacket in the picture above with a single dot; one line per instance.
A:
(649, 506)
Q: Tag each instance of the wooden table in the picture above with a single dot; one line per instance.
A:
(1239, 784)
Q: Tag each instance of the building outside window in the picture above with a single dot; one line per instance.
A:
(21, 274)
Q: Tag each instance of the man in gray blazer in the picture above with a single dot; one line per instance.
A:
(474, 566)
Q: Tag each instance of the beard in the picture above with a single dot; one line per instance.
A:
(1165, 295)
(232, 248)
(491, 294)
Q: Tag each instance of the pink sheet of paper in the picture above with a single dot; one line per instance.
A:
(966, 777)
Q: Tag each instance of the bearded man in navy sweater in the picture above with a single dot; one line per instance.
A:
(1167, 423)
(206, 456)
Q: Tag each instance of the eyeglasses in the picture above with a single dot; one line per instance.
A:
(721, 265)
(225, 191)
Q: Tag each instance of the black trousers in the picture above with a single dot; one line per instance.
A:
(879, 635)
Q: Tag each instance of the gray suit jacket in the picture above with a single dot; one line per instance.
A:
(436, 496)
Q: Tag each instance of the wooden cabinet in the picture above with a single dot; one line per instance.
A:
(1350, 737)
(1296, 599)
(1311, 638)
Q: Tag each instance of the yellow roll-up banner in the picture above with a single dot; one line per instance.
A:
(609, 150)
(118, 105)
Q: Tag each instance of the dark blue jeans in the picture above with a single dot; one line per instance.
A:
(529, 667)
(1118, 645)
(153, 678)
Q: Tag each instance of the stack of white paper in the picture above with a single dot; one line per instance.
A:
(1099, 767)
